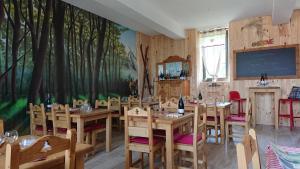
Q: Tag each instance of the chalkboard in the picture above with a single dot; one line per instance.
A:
(276, 62)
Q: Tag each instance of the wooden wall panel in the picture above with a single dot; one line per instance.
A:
(241, 36)
(161, 47)
(145, 41)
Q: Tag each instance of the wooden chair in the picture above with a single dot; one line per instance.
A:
(237, 120)
(213, 118)
(101, 104)
(79, 103)
(38, 123)
(155, 99)
(115, 105)
(187, 98)
(139, 137)
(61, 121)
(247, 151)
(194, 142)
(172, 99)
(134, 102)
(15, 156)
(99, 126)
(234, 96)
(168, 106)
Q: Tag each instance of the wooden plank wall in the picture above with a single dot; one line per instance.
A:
(241, 36)
(161, 47)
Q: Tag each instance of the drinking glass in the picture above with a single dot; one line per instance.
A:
(2, 139)
(11, 136)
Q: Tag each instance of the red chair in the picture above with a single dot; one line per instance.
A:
(291, 112)
(234, 96)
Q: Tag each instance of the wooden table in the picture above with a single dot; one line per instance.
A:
(223, 110)
(145, 103)
(56, 160)
(161, 121)
(80, 118)
(169, 124)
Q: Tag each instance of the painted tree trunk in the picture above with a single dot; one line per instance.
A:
(39, 60)
(100, 41)
(58, 25)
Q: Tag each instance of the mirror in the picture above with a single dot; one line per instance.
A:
(174, 67)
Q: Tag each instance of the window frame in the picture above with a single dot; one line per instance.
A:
(204, 73)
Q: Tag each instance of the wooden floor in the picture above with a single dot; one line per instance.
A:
(219, 156)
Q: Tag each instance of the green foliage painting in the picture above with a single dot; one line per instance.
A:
(48, 46)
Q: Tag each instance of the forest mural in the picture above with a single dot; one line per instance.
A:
(51, 47)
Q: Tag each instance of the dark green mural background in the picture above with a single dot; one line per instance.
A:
(48, 46)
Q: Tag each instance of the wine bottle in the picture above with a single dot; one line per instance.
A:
(48, 103)
(181, 105)
(200, 96)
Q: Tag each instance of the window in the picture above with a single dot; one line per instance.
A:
(213, 51)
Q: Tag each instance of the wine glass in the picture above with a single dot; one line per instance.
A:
(2, 139)
(11, 136)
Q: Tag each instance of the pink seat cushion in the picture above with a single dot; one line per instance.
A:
(212, 118)
(93, 127)
(62, 130)
(40, 128)
(143, 140)
(236, 118)
(187, 139)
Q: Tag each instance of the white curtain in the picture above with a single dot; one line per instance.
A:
(213, 53)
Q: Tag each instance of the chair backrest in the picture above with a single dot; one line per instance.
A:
(168, 106)
(248, 111)
(114, 103)
(247, 151)
(172, 99)
(234, 95)
(60, 117)
(37, 118)
(134, 102)
(211, 107)
(101, 104)
(188, 98)
(199, 125)
(134, 129)
(1, 126)
(155, 98)
(15, 156)
(78, 103)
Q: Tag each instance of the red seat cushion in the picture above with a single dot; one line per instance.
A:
(62, 130)
(212, 118)
(93, 127)
(236, 118)
(115, 112)
(40, 128)
(143, 140)
(187, 139)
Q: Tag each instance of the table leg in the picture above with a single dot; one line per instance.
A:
(80, 130)
(222, 123)
(79, 162)
(276, 103)
(108, 133)
(169, 147)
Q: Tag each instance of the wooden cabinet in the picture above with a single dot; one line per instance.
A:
(173, 88)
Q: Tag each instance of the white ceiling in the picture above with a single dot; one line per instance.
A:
(171, 17)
